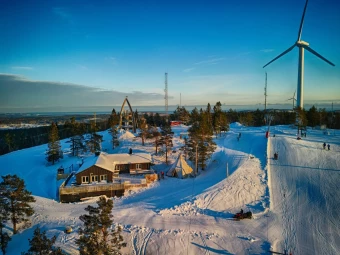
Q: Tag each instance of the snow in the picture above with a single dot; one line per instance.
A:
(108, 161)
(21, 125)
(294, 200)
(125, 135)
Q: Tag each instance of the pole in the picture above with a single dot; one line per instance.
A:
(227, 170)
(265, 95)
(196, 160)
(333, 119)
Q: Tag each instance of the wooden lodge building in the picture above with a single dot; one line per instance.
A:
(106, 167)
(99, 175)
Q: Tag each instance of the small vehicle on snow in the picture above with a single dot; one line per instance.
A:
(241, 215)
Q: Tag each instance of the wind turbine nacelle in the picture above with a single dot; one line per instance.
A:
(302, 43)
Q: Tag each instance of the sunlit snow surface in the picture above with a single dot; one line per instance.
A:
(294, 200)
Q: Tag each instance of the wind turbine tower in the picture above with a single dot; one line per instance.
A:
(180, 100)
(293, 98)
(166, 94)
(302, 45)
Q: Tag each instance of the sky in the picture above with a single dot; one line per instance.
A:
(94, 53)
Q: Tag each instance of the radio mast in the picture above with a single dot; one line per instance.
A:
(166, 94)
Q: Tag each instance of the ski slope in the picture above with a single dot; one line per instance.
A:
(305, 194)
(293, 200)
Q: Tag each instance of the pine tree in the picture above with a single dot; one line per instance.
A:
(246, 119)
(16, 199)
(301, 116)
(94, 143)
(156, 135)
(220, 122)
(54, 151)
(97, 237)
(313, 116)
(208, 115)
(113, 122)
(166, 139)
(144, 131)
(9, 140)
(194, 116)
(40, 244)
(200, 134)
(113, 119)
(4, 217)
(76, 139)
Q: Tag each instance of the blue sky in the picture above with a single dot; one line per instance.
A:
(212, 50)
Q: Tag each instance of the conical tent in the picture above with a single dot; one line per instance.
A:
(180, 168)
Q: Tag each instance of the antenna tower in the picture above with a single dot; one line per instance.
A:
(180, 99)
(265, 95)
(166, 94)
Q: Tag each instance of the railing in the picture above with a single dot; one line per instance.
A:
(90, 188)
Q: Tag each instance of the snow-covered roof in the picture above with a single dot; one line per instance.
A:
(108, 161)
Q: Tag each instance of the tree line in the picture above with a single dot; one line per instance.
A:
(16, 139)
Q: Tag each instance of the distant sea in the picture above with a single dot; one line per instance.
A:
(59, 111)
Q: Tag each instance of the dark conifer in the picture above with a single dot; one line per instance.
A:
(4, 217)
(194, 116)
(144, 131)
(200, 134)
(16, 199)
(166, 139)
(97, 237)
(94, 143)
(54, 151)
(157, 136)
(77, 139)
(40, 244)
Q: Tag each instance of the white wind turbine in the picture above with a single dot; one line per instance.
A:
(293, 98)
(302, 45)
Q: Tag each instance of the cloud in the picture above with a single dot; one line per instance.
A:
(210, 61)
(19, 92)
(112, 60)
(267, 50)
(82, 67)
(64, 14)
(61, 12)
(22, 67)
(188, 70)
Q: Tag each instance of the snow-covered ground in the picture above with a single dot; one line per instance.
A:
(21, 125)
(294, 200)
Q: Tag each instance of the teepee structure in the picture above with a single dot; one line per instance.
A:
(180, 169)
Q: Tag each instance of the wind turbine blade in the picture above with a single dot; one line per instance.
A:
(301, 24)
(318, 55)
(285, 52)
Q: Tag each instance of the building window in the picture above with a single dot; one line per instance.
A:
(138, 166)
(84, 179)
(94, 178)
(117, 167)
(103, 177)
